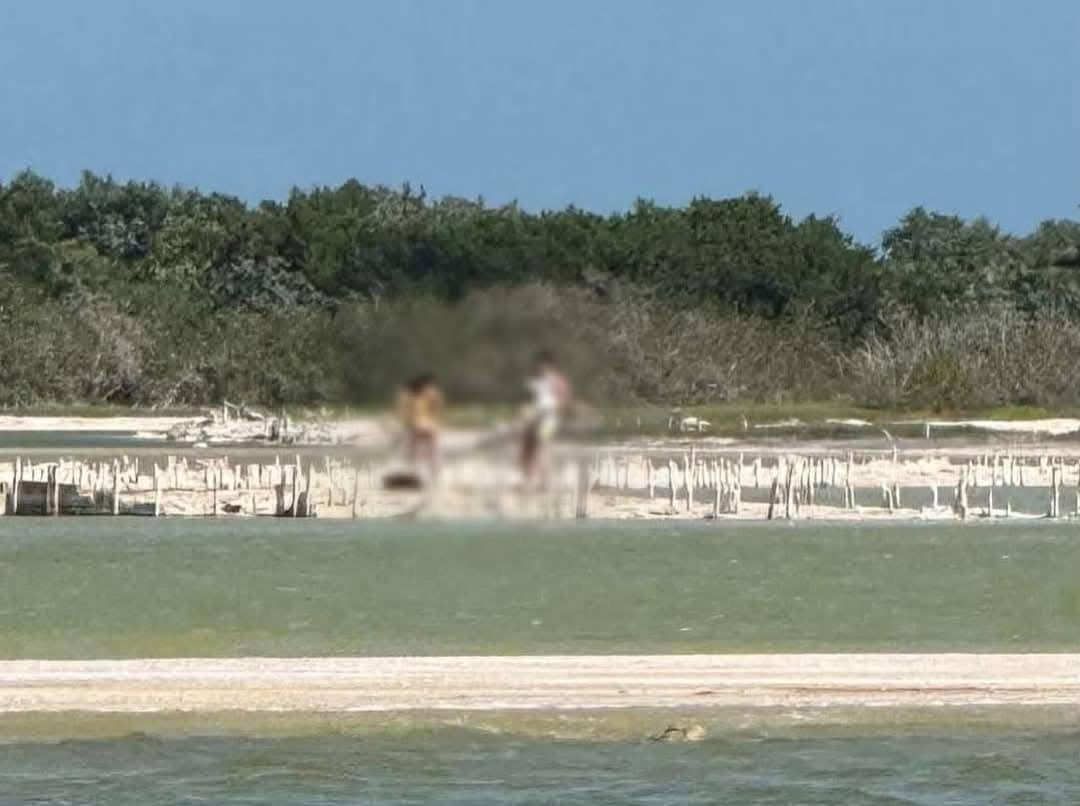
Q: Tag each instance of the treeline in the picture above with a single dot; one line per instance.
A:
(139, 294)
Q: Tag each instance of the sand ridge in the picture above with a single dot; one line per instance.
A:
(538, 682)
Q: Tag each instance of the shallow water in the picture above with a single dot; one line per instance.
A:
(466, 766)
(128, 587)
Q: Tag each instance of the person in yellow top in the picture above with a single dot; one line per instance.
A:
(420, 405)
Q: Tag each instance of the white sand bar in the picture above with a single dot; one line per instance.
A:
(538, 682)
(93, 424)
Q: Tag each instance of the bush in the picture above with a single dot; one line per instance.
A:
(619, 347)
(992, 356)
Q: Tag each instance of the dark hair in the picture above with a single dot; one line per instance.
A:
(543, 357)
(420, 382)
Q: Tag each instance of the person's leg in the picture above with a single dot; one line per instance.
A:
(529, 448)
(412, 446)
(545, 438)
(432, 458)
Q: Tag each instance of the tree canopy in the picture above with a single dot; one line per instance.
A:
(134, 292)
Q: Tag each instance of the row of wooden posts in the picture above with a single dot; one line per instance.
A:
(796, 479)
(693, 480)
(121, 486)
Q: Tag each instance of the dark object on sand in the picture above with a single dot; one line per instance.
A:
(402, 480)
(669, 734)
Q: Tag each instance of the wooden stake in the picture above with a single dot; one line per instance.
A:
(296, 489)
(54, 483)
(356, 494)
(1056, 472)
(581, 510)
(716, 491)
(116, 489)
(789, 489)
(688, 478)
(15, 486)
(961, 504)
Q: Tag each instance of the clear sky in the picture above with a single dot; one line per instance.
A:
(861, 108)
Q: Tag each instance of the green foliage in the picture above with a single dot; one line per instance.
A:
(132, 293)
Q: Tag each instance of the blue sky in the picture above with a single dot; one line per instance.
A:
(860, 108)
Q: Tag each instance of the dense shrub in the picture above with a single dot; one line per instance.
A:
(132, 293)
(985, 357)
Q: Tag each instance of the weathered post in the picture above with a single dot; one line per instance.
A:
(774, 492)
(296, 488)
(356, 494)
(789, 483)
(115, 489)
(15, 486)
(736, 499)
(886, 496)
(960, 506)
(716, 491)
(1056, 474)
(581, 509)
(309, 488)
(688, 478)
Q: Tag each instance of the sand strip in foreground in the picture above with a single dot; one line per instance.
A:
(538, 682)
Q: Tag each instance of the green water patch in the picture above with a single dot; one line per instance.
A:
(462, 765)
(674, 725)
(115, 587)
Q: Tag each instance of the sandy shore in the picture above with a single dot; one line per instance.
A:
(367, 426)
(133, 424)
(539, 682)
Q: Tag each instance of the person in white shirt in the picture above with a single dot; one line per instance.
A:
(550, 395)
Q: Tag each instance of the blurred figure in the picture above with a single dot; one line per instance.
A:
(550, 394)
(420, 405)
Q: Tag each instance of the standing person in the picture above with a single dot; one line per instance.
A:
(550, 394)
(420, 405)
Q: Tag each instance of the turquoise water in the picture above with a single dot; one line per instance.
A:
(468, 767)
(110, 587)
(128, 587)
